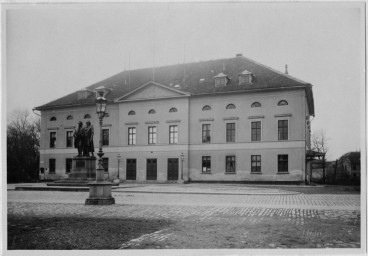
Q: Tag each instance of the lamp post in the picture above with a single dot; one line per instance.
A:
(100, 190)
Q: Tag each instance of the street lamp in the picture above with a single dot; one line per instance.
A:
(100, 190)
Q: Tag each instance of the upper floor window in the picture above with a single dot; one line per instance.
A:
(70, 117)
(105, 137)
(87, 116)
(173, 110)
(152, 111)
(207, 107)
(230, 132)
(152, 135)
(173, 134)
(53, 118)
(282, 103)
(132, 136)
(256, 105)
(230, 106)
(256, 131)
(283, 129)
(206, 133)
(131, 113)
(69, 139)
(52, 139)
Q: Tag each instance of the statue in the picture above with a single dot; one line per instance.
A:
(78, 138)
(88, 139)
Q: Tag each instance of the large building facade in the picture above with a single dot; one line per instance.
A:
(231, 120)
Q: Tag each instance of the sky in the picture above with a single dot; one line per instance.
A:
(55, 49)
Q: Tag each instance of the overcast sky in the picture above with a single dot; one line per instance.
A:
(53, 50)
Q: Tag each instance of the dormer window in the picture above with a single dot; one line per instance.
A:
(221, 80)
(245, 77)
(83, 94)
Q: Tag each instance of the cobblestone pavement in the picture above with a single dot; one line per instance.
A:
(295, 211)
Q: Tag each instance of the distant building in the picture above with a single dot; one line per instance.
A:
(349, 165)
(222, 120)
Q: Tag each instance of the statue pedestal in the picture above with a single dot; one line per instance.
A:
(83, 168)
(100, 191)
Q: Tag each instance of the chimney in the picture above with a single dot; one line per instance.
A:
(286, 71)
(239, 55)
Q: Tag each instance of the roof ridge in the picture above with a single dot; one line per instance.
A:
(274, 70)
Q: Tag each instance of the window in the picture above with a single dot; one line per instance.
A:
(283, 129)
(53, 118)
(105, 137)
(282, 103)
(206, 164)
(230, 132)
(256, 131)
(206, 133)
(131, 113)
(106, 115)
(87, 116)
(52, 164)
(68, 165)
(256, 105)
(205, 108)
(255, 163)
(52, 139)
(105, 163)
(173, 134)
(152, 111)
(69, 139)
(283, 163)
(220, 81)
(230, 164)
(152, 135)
(69, 117)
(230, 106)
(131, 136)
(173, 110)
(245, 79)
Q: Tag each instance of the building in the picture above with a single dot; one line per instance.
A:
(349, 168)
(228, 120)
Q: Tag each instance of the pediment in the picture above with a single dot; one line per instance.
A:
(152, 90)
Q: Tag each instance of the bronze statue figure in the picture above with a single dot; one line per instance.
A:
(88, 139)
(78, 138)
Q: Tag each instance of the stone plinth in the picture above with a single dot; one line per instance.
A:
(83, 168)
(100, 193)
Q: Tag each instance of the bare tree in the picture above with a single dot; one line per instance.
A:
(319, 144)
(23, 142)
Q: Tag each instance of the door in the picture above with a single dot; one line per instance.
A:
(172, 168)
(151, 169)
(131, 169)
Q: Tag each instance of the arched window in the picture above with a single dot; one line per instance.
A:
(70, 117)
(230, 106)
(256, 105)
(282, 103)
(131, 113)
(173, 110)
(106, 115)
(87, 116)
(152, 111)
(206, 108)
(53, 118)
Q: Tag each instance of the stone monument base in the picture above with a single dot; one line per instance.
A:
(100, 193)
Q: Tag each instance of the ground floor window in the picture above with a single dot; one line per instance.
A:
(283, 163)
(52, 164)
(256, 163)
(230, 164)
(206, 164)
(105, 163)
(68, 165)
